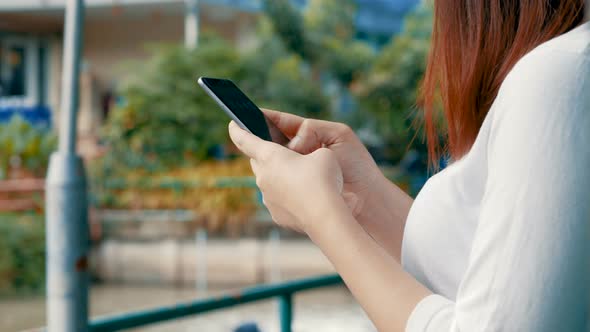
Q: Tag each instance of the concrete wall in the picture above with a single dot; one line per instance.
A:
(228, 262)
(111, 41)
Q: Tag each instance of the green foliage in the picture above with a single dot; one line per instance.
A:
(384, 84)
(289, 26)
(165, 115)
(303, 63)
(166, 120)
(325, 18)
(331, 31)
(280, 79)
(25, 144)
(388, 93)
(22, 253)
(289, 89)
(323, 36)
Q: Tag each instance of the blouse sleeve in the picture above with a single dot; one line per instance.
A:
(529, 265)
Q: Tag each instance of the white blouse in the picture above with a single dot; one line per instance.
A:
(502, 236)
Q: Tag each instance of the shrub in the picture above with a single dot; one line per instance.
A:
(24, 146)
(22, 253)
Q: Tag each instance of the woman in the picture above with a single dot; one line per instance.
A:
(497, 241)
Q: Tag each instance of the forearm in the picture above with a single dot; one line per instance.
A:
(386, 292)
(383, 215)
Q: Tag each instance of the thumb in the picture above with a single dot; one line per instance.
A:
(305, 142)
(315, 134)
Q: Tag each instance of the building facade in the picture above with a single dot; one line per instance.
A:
(115, 32)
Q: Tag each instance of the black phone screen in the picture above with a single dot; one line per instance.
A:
(240, 105)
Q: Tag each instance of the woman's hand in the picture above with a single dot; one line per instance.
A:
(304, 192)
(376, 203)
(297, 189)
(360, 173)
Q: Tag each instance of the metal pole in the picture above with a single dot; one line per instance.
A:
(74, 23)
(274, 242)
(66, 199)
(201, 261)
(286, 312)
(191, 24)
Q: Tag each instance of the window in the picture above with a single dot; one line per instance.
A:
(12, 71)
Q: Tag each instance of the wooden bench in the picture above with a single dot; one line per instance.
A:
(19, 195)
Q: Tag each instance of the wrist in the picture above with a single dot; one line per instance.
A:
(375, 202)
(325, 215)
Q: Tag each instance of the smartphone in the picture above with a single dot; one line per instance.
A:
(241, 109)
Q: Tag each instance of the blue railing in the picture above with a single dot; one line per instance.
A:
(283, 291)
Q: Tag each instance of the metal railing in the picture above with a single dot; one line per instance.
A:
(283, 291)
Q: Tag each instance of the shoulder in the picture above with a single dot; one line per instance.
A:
(551, 82)
(560, 60)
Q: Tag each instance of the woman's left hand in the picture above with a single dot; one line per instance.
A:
(297, 189)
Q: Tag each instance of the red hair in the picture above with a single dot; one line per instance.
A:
(475, 43)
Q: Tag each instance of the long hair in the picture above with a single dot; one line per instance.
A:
(475, 43)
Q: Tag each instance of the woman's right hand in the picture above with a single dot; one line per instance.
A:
(376, 203)
(358, 167)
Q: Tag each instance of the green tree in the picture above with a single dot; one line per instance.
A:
(289, 26)
(388, 93)
(323, 36)
(280, 78)
(165, 118)
(290, 89)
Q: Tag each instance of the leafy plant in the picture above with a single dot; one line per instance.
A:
(22, 253)
(215, 190)
(388, 93)
(323, 37)
(164, 118)
(25, 146)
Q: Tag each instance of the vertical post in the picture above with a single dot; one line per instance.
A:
(201, 261)
(66, 202)
(286, 312)
(191, 24)
(70, 92)
(274, 240)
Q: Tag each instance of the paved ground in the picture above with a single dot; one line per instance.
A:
(159, 265)
(326, 310)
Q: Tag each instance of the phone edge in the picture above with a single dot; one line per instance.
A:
(222, 105)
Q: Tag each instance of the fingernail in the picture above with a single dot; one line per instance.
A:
(294, 142)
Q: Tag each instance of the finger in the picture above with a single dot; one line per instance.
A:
(249, 144)
(287, 123)
(315, 134)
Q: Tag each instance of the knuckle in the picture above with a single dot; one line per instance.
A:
(343, 129)
(265, 155)
(308, 125)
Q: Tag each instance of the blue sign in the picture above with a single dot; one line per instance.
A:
(36, 115)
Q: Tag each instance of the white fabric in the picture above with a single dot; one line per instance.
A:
(502, 236)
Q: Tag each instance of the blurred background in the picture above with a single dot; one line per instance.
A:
(175, 213)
